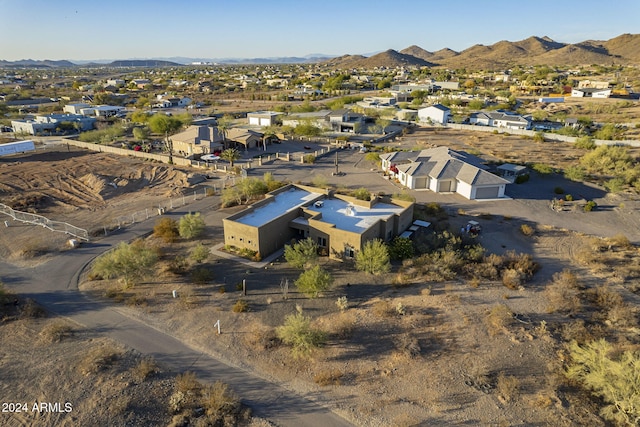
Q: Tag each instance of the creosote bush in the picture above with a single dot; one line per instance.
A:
(300, 335)
(166, 229)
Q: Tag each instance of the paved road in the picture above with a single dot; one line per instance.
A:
(54, 285)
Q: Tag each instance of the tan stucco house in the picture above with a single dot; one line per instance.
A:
(339, 224)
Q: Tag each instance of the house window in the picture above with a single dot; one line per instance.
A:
(241, 239)
(322, 242)
(248, 242)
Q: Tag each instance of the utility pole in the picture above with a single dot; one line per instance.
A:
(336, 163)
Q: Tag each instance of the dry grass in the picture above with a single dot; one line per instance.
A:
(56, 331)
(30, 310)
(563, 293)
(382, 308)
(498, 319)
(98, 359)
(144, 369)
(507, 387)
(187, 382)
(328, 377)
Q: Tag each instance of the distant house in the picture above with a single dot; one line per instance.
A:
(500, 119)
(316, 118)
(168, 101)
(140, 83)
(510, 172)
(590, 92)
(443, 170)
(197, 140)
(102, 111)
(75, 108)
(339, 224)
(436, 113)
(345, 120)
(51, 123)
(247, 137)
(263, 118)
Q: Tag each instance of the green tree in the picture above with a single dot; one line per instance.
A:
(615, 379)
(313, 281)
(140, 116)
(373, 258)
(164, 125)
(200, 253)
(401, 248)
(128, 262)
(301, 254)
(224, 124)
(252, 188)
(298, 333)
(141, 133)
(575, 173)
(230, 155)
(191, 226)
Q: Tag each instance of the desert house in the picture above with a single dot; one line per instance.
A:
(436, 113)
(339, 224)
(197, 140)
(443, 170)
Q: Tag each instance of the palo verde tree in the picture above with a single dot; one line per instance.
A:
(191, 226)
(615, 379)
(302, 253)
(373, 258)
(313, 281)
(128, 262)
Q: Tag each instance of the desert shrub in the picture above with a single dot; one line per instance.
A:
(219, 401)
(201, 275)
(507, 386)
(382, 308)
(575, 173)
(585, 142)
(498, 319)
(31, 310)
(568, 198)
(563, 293)
(362, 194)
(615, 185)
(512, 278)
(373, 258)
(521, 262)
(128, 262)
(240, 306)
(542, 169)
(579, 332)
(199, 253)
(166, 229)
(590, 205)
(187, 382)
(328, 377)
(614, 379)
(98, 359)
(231, 196)
(298, 333)
(407, 345)
(320, 181)
(404, 196)
(521, 179)
(178, 265)
(527, 230)
(314, 281)
(302, 253)
(191, 226)
(401, 248)
(442, 264)
(558, 190)
(56, 331)
(136, 301)
(309, 158)
(210, 192)
(145, 368)
(341, 325)
(620, 241)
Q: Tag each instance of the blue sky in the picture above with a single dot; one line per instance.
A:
(116, 29)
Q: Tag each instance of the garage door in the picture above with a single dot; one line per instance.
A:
(487, 192)
(445, 186)
(420, 182)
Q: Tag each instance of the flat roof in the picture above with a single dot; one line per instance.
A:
(277, 206)
(346, 216)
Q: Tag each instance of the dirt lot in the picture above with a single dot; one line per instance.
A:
(427, 352)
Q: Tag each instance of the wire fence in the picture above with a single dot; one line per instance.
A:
(129, 219)
(57, 226)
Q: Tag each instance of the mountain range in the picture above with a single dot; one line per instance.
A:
(624, 50)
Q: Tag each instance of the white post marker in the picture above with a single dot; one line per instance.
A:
(175, 293)
(218, 325)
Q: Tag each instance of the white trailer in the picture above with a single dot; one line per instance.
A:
(16, 147)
